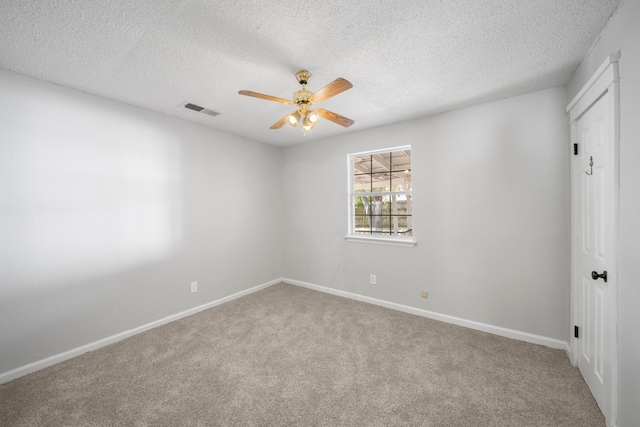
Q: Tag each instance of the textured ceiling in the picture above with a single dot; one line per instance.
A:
(406, 59)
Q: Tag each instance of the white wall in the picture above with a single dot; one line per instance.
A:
(108, 212)
(623, 34)
(491, 206)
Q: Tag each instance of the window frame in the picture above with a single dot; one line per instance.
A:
(393, 240)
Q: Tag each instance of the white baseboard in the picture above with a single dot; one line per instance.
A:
(41, 364)
(496, 330)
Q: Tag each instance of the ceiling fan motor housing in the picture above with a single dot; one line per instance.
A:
(301, 97)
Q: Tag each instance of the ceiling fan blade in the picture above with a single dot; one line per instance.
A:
(334, 117)
(337, 86)
(281, 122)
(267, 97)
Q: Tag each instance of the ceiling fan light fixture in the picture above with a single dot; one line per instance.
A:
(294, 119)
(310, 119)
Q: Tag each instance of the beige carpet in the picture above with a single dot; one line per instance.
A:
(291, 356)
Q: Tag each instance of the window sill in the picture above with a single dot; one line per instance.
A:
(391, 241)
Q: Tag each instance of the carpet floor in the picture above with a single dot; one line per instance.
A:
(290, 356)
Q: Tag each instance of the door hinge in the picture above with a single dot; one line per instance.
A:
(575, 149)
(576, 331)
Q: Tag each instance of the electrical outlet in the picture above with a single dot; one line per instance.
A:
(194, 287)
(423, 293)
(372, 279)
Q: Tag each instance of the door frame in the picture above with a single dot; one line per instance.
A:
(604, 81)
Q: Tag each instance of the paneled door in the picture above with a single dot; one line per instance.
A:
(594, 238)
(593, 249)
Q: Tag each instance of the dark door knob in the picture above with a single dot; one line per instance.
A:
(596, 276)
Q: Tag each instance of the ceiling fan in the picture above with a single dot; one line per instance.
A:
(304, 99)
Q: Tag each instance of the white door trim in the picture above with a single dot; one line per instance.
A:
(605, 79)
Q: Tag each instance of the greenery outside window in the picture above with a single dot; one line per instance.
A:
(380, 199)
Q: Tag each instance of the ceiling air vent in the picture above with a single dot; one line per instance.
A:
(200, 109)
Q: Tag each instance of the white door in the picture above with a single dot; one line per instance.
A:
(593, 238)
(593, 115)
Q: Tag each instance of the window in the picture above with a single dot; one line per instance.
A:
(380, 199)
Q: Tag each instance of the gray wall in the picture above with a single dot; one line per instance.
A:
(108, 212)
(623, 34)
(491, 215)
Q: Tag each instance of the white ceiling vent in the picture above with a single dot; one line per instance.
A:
(200, 109)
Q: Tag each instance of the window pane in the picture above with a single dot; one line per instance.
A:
(380, 213)
(380, 162)
(362, 205)
(362, 164)
(378, 224)
(401, 181)
(362, 183)
(403, 204)
(405, 226)
(381, 181)
(401, 161)
(361, 224)
(362, 214)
